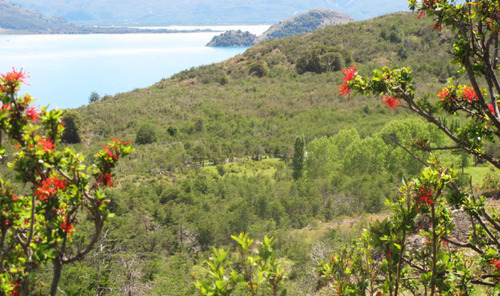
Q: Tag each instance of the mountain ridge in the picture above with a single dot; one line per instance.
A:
(209, 12)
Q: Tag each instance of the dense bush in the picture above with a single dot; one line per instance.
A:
(146, 134)
(72, 127)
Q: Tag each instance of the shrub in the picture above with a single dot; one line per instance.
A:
(146, 134)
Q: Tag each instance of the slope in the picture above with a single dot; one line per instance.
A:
(171, 203)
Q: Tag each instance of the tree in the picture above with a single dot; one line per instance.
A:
(40, 214)
(298, 157)
(94, 97)
(435, 267)
(72, 127)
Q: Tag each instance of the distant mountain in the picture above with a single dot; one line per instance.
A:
(14, 18)
(202, 12)
(305, 23)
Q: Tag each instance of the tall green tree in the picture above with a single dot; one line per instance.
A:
(298, 157)
(72, 127)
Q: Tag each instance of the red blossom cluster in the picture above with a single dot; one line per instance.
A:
(16, 288)
(445, 95)
(105, 179)
(121, 141)
(67, 226)
(425, 196)
(33, 113)
(391, 102)
(492, 109)
(344, 87)
(496, 263)
(469, 93)
(110, 154)
(15, 77)
(46, 144)
(49, 187)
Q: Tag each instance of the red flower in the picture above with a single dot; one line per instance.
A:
(121, 141)
(6, 107)
(49, 187)
(349, 73)
(344, 87)
(496, 263)
(391, 102)
(436, 26)
(110, 154)
(15, 76)
(425, 196)
(46, 145)
(443, 94)
(68, 227)
(33, 113)
(490, 106)
(344, 90)
(469, 93)
(106, 180)
(389, 255)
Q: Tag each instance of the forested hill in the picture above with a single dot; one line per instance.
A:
(265, 85)
(305, 23)
(215, 147)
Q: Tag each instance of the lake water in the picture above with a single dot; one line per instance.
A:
(65, 69)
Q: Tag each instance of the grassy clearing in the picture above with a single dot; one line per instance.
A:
(249, 168)
(477, 173)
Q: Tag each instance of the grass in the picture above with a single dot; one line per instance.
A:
(249, 168)
(477, 173)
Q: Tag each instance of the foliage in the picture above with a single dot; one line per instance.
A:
(298, 157)
(259, 270)
(38, 220)
(189, 191)
(233, 38)
(440, 265)
(321, 59)
(94, 97)
(146, 134)
(72, 127)
(259, 69)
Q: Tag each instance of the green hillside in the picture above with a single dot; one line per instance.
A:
(215, 147)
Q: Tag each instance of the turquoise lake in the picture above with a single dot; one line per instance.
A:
(65, 69)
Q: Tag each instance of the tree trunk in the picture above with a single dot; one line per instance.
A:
(57, 276)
